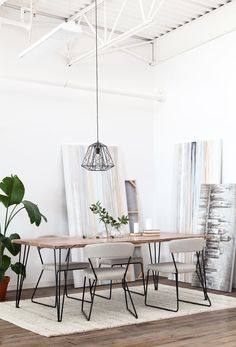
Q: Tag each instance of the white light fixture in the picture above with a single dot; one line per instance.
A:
(65, 30)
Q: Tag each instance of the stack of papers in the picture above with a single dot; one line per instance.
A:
(151, 232)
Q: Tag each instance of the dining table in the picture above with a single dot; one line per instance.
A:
(67, 243)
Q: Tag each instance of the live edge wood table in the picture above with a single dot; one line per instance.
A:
(70, 242)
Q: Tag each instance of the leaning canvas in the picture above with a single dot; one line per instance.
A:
(217, 219)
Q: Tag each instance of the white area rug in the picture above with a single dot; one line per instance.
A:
(107, 314)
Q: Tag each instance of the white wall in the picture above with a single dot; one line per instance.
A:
(36, 119)
(200, 105)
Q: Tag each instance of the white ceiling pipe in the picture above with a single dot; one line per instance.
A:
(158, 97)
(16, 23)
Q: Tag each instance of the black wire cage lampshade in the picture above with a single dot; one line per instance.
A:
(97, 157)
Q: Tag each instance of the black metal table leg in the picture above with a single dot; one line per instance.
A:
(158, 261)
(58, 270)
(155, 275)
(20, 277)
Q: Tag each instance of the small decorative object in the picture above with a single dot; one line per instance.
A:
(151, 232)
(136, 228)
(104, 217)
(13, 202)
(148, 224)
(97, 157)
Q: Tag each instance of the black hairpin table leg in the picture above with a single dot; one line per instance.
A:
(23, 258)
(158, 261)
(154, 261)
(60, 292)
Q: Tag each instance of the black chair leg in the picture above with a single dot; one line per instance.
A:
(204, 289)
(163, 308)
(35, 290)
(126, 290)
(103, 296)
(177, 291)
(143, 280)
(92, 294)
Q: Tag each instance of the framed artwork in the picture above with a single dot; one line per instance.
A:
(217, 218)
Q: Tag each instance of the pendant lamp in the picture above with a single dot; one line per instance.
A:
(97, 157)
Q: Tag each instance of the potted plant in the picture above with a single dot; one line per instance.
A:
(11, 198)
(104, 217)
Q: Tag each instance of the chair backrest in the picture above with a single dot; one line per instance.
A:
(187, 245)
(109, 250)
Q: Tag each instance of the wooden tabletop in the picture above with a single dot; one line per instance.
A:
(78, 242)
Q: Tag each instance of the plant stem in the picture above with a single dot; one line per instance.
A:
(11, 214)
(5, 222)
(11, 217)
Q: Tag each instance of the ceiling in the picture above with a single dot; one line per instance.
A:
(171, 15)
(124, 25)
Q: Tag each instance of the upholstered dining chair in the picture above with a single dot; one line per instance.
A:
(66, 266)
(182, 246)
(135, 260)
(96, 273)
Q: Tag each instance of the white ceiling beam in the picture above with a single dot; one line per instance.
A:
(112, 42)
(75, 17)
(142, 9)
(128, 46)
(105, 20)
(41, 40)
(117, 18)
(153, 11)
(88, 8)
(92, 28)
(63, 26)
(4, 20)
(134, 54)
(157, 9)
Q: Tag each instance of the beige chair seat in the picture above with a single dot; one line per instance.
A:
(170, 268)
(120, 261)
(72, 266)
(106, 273)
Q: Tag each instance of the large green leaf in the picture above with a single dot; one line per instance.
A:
(2, 246)
(34, 214)
(13, 248)
(14, 191)
(2, 274)
(18, 268)
(6, 261)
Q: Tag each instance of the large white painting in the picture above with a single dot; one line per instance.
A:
(196, 163)
(84, 188)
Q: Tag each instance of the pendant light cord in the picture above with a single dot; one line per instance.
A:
(97, 96)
